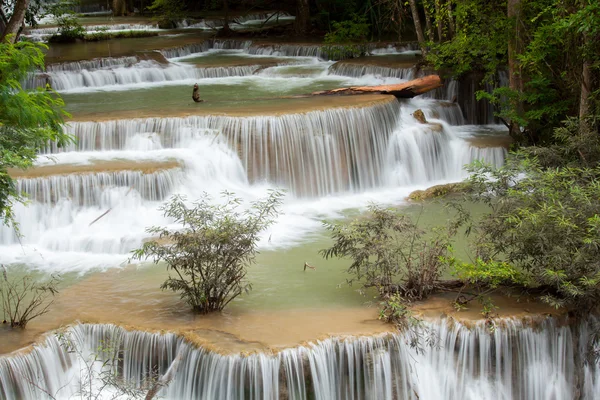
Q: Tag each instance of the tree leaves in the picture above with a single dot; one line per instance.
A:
(212, 248)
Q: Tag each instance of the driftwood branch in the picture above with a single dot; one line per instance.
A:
(306, 265)
(403, 90)
(166, 378)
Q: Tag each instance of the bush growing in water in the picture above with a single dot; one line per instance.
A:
(212, 251)
(69, 28)
(390, 253)
(23, 299)
(99, 36)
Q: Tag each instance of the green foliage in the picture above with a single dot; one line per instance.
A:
(395, 310)
(334, 10)
(390, 253)
(347, 39)
(69, 27)
(571, 145)
(553, 38)
(29, 120)
(23, 299)
(544, 225)
(212, 251)
(99, 36)
(480, 41)
(490, 273)
(166, 12)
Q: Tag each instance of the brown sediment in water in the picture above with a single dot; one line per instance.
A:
(232, 61)
(118, 297)
(59, 53)
(261, 107)
(508, 306)
(485, 141)
(96, 167)
(110, 297)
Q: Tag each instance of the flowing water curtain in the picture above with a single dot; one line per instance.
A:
(517, 360)
(313, 154)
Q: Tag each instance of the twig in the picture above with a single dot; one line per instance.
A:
(109, 210)
(167, 377)
(306, 265)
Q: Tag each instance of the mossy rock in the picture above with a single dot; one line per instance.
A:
(438, 191)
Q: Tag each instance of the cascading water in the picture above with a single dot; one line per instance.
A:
(333, 152)
(516, 360)
(355, 71)
(142, 72)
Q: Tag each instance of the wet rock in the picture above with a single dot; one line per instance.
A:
(435, 127)
(420, 116)
(438, 191)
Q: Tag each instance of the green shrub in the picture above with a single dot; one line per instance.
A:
(390, 253)
(212, 251)
(99, 36)
(69, 27)
(545, 224)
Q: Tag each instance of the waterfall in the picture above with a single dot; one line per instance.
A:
(96, 63)
(318, 156)
(312, 154)
(142, 72)
(359, 70)
(86, 189)
(463, 92)
(186, 50)
(516, 360)
(397, 49)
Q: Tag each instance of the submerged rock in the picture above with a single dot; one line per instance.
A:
(438, 191)
(420, 116)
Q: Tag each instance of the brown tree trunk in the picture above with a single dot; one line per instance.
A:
(302, 23)
(403, 90)
(439, 21)
(16, 21)
(226, 31)
(3, 21)
(514, 68)
(428, 26)
(450, 19)
(119, 7)
(586, 91)
(418, 28)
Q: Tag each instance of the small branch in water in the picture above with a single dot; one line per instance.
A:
(166, 378)
(306, 265)
(109, 210)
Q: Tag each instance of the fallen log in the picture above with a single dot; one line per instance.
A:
(400, 90)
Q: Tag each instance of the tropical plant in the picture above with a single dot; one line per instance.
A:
(211, 251)
(29, 120)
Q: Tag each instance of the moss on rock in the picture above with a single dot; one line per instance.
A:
(438, 191)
